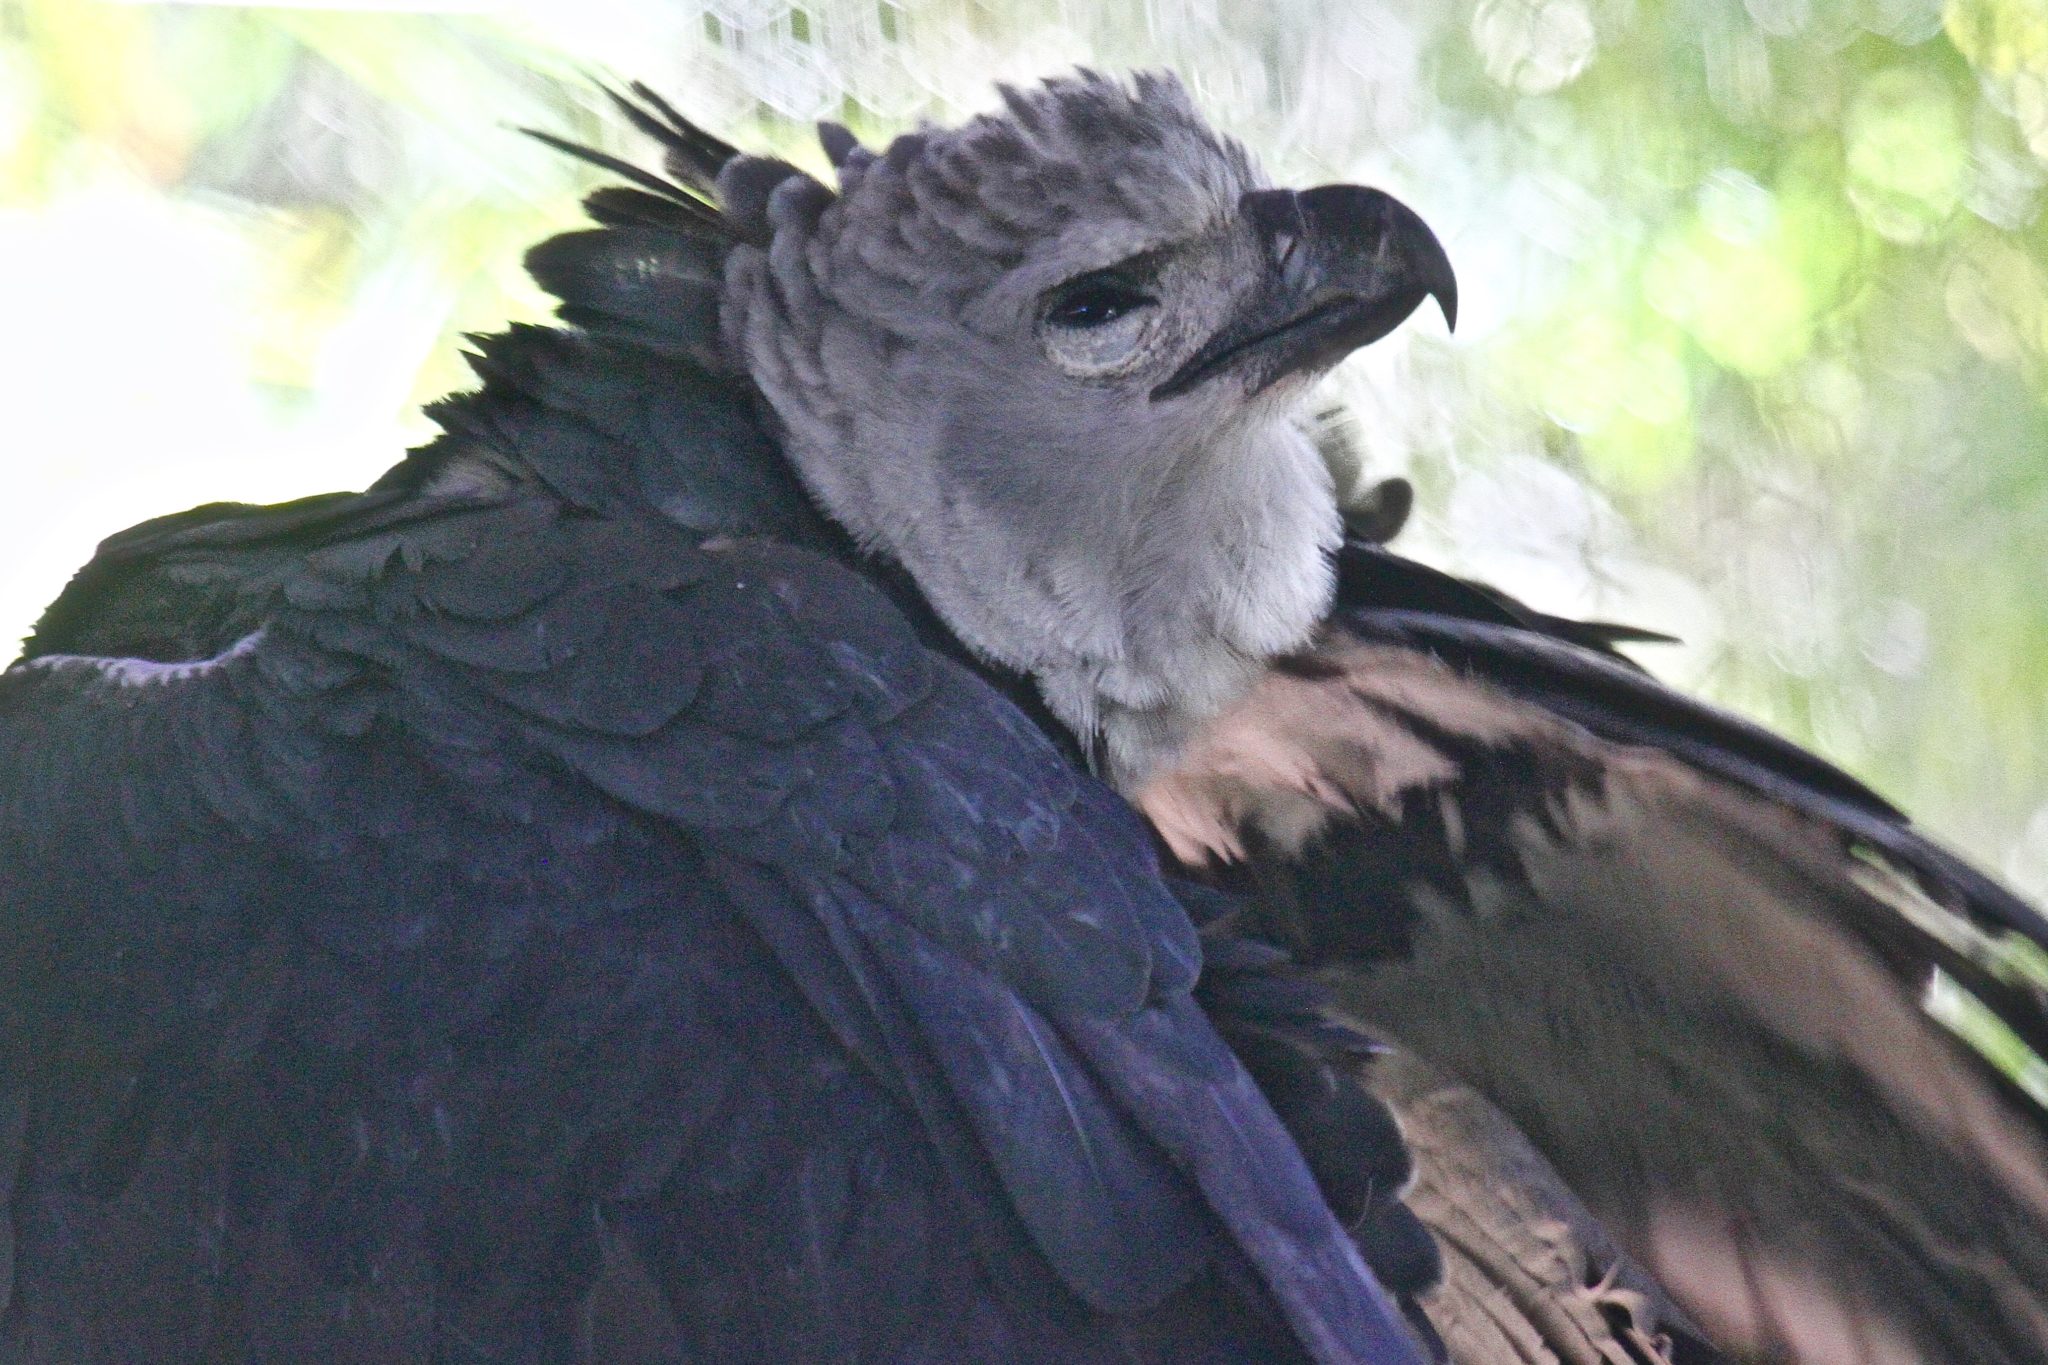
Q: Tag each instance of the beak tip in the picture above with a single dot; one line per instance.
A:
(1447, 300)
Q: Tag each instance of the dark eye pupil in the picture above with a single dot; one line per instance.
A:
(1095, 305)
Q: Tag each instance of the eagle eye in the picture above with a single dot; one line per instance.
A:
(1097, 325)
(1095, 300)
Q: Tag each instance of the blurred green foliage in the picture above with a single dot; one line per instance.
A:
(1756, 333)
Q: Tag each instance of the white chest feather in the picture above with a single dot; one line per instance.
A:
(1244, 575)
(1144, 617)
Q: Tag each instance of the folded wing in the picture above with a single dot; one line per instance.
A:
(506, 929)
(1783, 1046)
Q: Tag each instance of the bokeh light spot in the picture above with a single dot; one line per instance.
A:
(1534, 46)
(1907, 154)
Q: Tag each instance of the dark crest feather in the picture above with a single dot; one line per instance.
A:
(623, 206)
(694, 156)
(838, 141)
(693, 201)
(647, 180)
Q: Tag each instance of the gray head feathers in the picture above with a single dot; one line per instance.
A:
(1138, 558)
(1062, 156)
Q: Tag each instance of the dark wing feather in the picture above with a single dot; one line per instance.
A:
(530, 908)
(1704, 971)
(1369, 573)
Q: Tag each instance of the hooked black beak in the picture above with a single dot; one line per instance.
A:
(1349, 265)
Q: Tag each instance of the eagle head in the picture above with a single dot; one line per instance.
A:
(1051, 361)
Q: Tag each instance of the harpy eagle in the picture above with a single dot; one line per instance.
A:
(659, 876)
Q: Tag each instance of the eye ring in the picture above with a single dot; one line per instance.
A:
(1094, 300)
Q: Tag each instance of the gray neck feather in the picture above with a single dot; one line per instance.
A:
(1143, 615)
